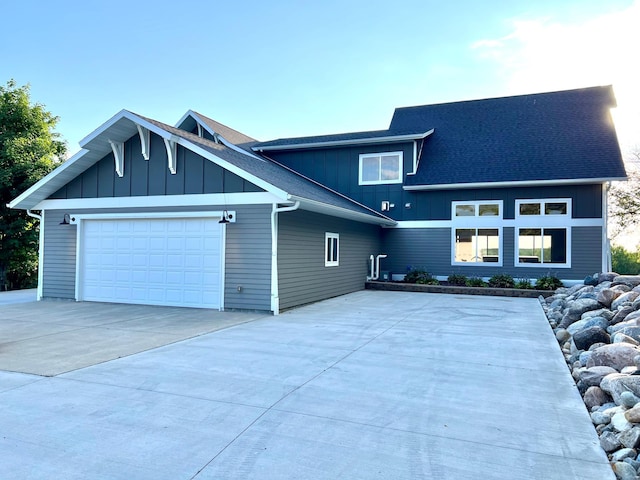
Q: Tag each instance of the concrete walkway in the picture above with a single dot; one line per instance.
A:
(18, 296)
(372, 385)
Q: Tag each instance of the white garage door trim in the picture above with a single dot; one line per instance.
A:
(164, 298)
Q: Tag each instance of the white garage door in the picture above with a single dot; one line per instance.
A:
(173, 261)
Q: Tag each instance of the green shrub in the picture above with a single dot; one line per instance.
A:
(458, 280)
(524, 284)
(625, 262)
(502, 280)
(421, 276)
(476, 282)
(548, 282)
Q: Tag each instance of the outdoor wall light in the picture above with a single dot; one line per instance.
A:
(67, 219)
(226, 217)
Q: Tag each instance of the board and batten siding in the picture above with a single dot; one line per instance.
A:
(430, 249)
(194, 175)
(247, 253)
(302, 275)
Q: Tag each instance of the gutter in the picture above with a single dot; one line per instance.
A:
(526, 183)
(337, 143)
(40, 251)
(275, 299)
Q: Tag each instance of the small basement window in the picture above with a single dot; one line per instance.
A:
(331, 249)
(380, 168)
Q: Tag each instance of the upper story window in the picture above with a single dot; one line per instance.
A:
(379, 168)
(528, 208)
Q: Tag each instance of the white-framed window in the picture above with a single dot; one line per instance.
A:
(551, 207)
(542, 233)
(543, 247)
(476, 236)
(331, 249)
(380, 168)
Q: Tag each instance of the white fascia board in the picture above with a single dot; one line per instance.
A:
(40, 183)
(208, 199)
(105, 126)
(337, 143)
(190, 113)
(319, 207)
(531, 183)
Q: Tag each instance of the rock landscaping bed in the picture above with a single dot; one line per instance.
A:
(598, 329)
(457, 290)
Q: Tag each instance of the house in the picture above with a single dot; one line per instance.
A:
(201, 215)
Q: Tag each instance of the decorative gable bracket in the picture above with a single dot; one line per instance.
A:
(145, 138)
(172, 153)
(118, 155)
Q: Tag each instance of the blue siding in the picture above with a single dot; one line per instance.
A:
(194, 175)
(337, 168)
(302, 275)
(430, 248)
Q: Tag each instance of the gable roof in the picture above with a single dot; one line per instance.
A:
(557, 137)
(271, 176)
(371, 137)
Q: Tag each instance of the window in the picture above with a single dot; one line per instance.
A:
(331, 249)
(477, 245)
(543, 207)
(377, 168)
(542, 246)
(477, 233)
(543, 238)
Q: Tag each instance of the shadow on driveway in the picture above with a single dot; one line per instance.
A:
(52, 337)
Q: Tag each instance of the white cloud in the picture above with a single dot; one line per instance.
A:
(542, 55)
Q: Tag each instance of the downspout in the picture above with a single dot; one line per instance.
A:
(606, 245)
(275, 299)
(40, 251)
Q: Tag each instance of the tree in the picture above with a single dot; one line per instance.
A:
(29, 149)
(625, 197)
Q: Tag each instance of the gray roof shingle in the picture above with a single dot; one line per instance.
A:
(557, 136)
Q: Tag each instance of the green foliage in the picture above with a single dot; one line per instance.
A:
(625, 197)
(29, 149)
(475, 282)
(625, 262)
(502, 281)
(421, 276)
(524, 284)
(548, 282)
(458, 280)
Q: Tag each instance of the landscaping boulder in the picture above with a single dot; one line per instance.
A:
(587, 337)
(625, 297)
(616, 383)
(615, 355)
(592, 377)
(595, 396)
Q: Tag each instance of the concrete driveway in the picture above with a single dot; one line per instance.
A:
(386, 385)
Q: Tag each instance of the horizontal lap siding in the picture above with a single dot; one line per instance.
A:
(248, 259)
(59, 262)
(247, 256)
(302, 275)
(430, 249)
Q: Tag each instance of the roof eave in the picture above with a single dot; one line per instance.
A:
(525, 183)
(338, 143)
(334, 211)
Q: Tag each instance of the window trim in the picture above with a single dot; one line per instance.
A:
(542, 264)
(380, 155)
(546, 218)
(478, 222)
(329, 239)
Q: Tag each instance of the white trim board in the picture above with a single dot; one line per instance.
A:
(574, 222)
(207, 199)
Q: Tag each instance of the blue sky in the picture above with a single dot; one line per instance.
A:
(293, 68)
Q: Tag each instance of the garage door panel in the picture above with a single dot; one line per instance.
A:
(152, 261)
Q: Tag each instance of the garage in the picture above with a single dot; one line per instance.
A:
(152, 261)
